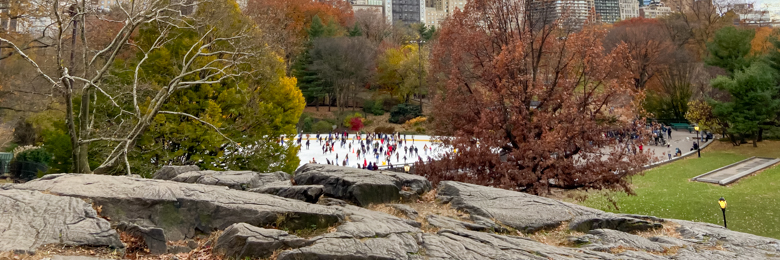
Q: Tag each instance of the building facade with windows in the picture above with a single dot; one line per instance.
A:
(655, 9)
(408, 11)
(436, 11)
(608, 10)
(628, 9)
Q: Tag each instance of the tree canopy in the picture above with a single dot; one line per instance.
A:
(530, 116)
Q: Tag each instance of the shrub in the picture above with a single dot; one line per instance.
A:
(307, 124)
(356, 124)
(322, 127)
(404, 112)
(28, 164)
(348, 119)
(415, 122)
(36, 154)
(373, 107)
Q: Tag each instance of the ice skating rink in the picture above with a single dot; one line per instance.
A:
(426, 149)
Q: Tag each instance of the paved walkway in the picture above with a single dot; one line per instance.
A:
(680, 139)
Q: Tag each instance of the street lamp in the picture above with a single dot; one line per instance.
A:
(722, 203)
(698, 144)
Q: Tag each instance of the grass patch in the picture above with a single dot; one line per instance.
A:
(667, 192)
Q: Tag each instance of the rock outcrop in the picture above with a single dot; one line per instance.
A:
(495, 227)
(29, 219)
(237, 180)
(243, 240)
(181, 209)
(529, 213)
(168, 172)
(362, 187)
(307, 193)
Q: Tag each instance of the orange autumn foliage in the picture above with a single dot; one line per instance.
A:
(285, 22)
(761, 42)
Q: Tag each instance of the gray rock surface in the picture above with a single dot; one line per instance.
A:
(307, 193)
(29, 219)
(154, 238)
(237, 180)
(451, 223)
(362, 187)
(611, 221)
(335, 246)
(368, 223)
(464, 244)
(181, 209)
(168, 172)
(744, 244)
(243, 240)
(409, 212)
(518, 210)
(608, 238)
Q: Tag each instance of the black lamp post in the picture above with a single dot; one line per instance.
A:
(698, 142)
(722, 203)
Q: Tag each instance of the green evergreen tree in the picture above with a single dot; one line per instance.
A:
(355, 31)
(311, 84)
(730, 49)
(317, 28)
(753, 101)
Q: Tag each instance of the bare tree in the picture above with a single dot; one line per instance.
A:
(373, 25)
(344, 63)
(217, 55)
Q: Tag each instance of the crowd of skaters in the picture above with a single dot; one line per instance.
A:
(367, 150)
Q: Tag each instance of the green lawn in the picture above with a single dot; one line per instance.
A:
(666, 191)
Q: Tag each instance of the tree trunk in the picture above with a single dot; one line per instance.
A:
(83, 158)
(755, 139)
(760, 134)
(317, 103)
(74, 140)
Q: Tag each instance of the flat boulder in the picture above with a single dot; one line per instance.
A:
(237, 180)
(307, 193)
(242, 240)
(605, 239)
(30, 219)
(168, 172)
(362, 187)
(522, 211)
(336, 246)
(368, 223)
(623, 223)
(182, 209)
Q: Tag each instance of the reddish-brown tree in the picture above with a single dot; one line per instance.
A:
(648, 44)
(528, 106)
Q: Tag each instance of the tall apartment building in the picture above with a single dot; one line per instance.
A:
(436, 11)
(655, 9)
(570, 13)
(408, 11)
(628, 9)
(607, 10)
(383, 7)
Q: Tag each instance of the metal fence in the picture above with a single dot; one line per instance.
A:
(23, 170)
(5, 160)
